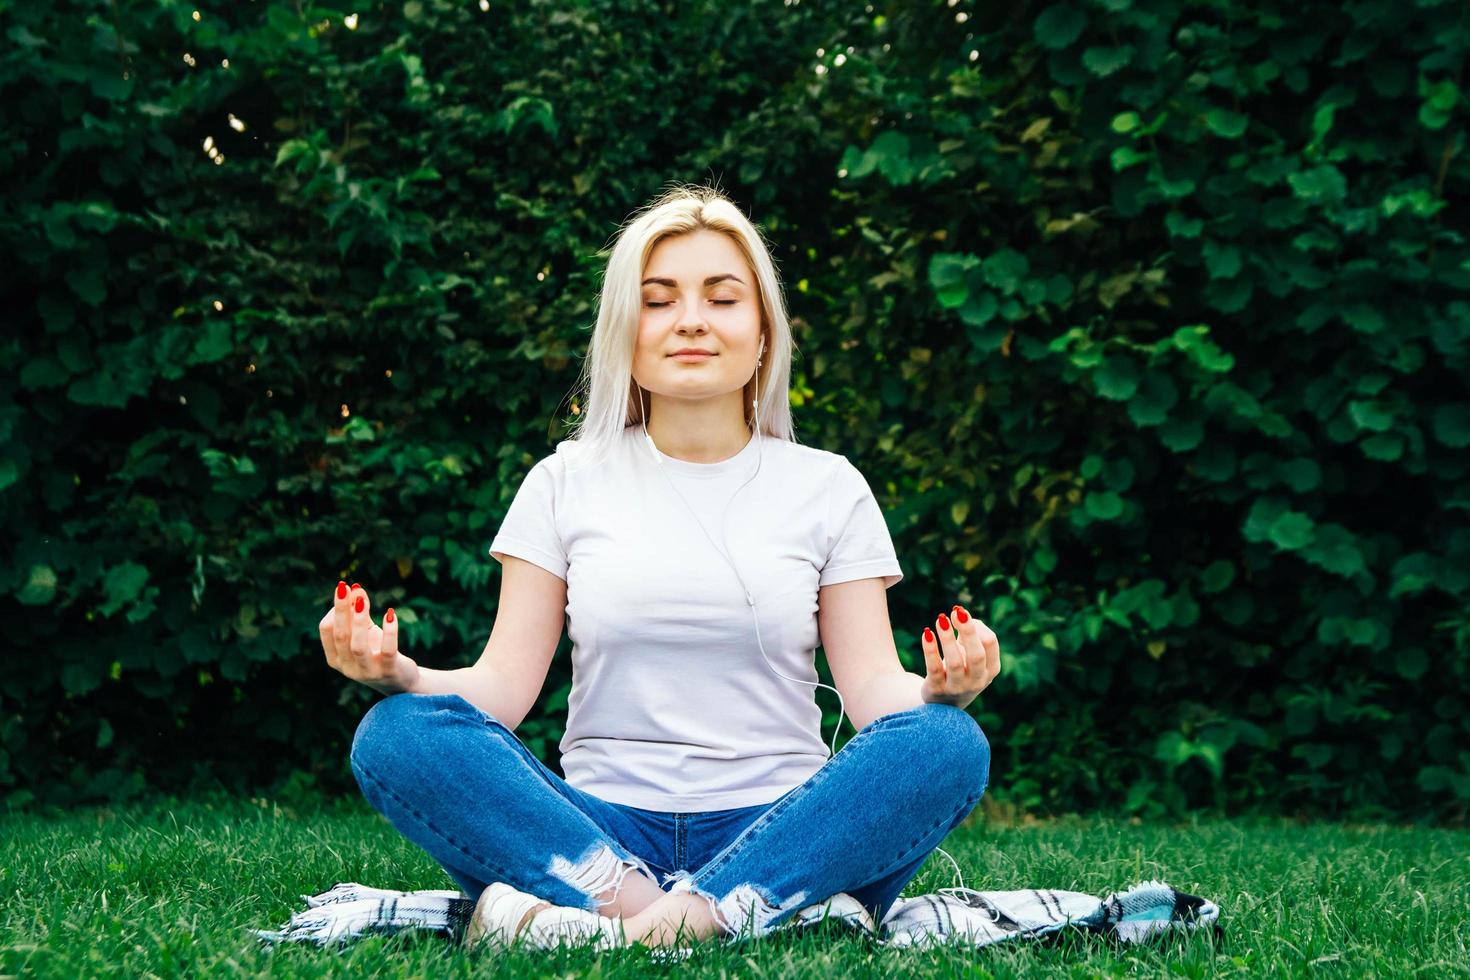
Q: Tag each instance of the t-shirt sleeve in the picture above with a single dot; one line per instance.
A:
(858, 542)
(529, 528)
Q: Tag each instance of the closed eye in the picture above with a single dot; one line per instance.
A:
(718, 302)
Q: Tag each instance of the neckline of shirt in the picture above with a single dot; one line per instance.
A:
(684, 467)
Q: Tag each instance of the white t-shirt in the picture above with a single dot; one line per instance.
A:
(672, 706)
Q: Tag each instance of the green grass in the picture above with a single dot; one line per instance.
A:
(171, 889)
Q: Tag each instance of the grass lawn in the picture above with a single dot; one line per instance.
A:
(170, 889)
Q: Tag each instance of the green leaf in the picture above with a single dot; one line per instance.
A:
(1058, 289)
(1195, 341)
(215, 344)
(1385, 448)
(1119, 473)
(1156, 395)
(1182, 226)
(1292, 530)
(291, 149)
(42, 371)
(1373, 416)
(1225, 123)
(122, 584)
(1335, 549)
(1301, 474)
(1222, 259)
(1172, 748)
(1364, 318)
(1104, 505)
(1229, 295)
(1125, 122)
(39, 588)
(1211, 756)
(1411, 662)
(1181, 435)
(979, 308)
(1320, 185)
(1103, 62)
(88, 283)
(1004, 270)
(1117, 378)
(1171, 187)
(948, 275)
(1451, 424)
(1322, 122)
(358, 429)
(1126, 156)
(1316, 754)
(108, 82)
(101, 388)
(1217, 576)
(1059, 25)
(1435, 779)
(78, 679)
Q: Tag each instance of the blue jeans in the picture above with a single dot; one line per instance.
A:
(462, 786)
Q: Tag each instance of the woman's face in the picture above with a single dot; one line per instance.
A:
(680, 309)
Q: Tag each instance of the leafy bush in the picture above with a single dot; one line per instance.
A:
(1146, 321)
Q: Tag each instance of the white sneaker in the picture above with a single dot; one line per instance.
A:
(501, 908)
(842, 908)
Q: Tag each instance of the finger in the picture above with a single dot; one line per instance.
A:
(325, 628)
(954, 654)
(390, 637)
(341, 625)
(971, 633)
(933, 662)
(992, 650)
(362, 624)
(981, 637)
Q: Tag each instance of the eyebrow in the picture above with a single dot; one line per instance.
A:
(709, 280)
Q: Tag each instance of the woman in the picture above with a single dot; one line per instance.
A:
(699, 798)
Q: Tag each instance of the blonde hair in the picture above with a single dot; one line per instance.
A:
(608, 394)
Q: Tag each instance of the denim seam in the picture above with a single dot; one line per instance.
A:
(498, 873)
(755, 829)
(681, 840)
(907, 854)
(817, 777)
(475, 710)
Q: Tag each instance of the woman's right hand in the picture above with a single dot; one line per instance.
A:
(357, 648)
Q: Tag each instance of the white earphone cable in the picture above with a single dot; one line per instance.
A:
(749, 598)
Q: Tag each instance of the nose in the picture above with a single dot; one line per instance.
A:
(692, 322)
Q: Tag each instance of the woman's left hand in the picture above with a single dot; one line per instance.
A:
(959, 667)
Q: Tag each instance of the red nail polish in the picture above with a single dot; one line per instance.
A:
(356, 586)
(359, 603)
(944, 622)
(341, 590)
(389, 618)
(928, 635)
(963, 616)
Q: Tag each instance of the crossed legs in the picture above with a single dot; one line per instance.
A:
(424, 761)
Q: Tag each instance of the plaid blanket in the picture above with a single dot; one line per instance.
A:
(348, 910)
